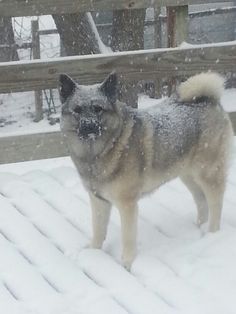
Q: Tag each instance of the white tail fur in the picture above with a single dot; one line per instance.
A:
(205, 84)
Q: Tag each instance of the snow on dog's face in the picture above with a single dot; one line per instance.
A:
(88, 110)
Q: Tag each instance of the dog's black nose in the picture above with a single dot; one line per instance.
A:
(88, 127)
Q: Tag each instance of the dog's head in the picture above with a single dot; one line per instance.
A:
(88, 110)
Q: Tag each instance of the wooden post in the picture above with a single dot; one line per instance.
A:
(62, 49)
(157, 44)
(177, 32)
(36, 55)
(157, 28)
(177, 25)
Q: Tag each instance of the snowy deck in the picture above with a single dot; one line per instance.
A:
(45, 267)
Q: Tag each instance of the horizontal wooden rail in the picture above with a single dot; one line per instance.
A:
(41, 146)
(44, 7)
(210, 12)
(28, 45)
(32, 147)
(48, 32)
(134, 66)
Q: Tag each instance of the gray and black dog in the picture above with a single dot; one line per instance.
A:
(123, 153)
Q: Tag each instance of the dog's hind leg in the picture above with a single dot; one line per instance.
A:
(214, 187)
(100, 216)
(199, 198)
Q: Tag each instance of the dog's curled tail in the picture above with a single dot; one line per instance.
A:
(207, 84)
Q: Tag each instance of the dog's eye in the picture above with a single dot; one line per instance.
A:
(78, 109)
(98, 109)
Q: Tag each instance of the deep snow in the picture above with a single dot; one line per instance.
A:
(46, 266)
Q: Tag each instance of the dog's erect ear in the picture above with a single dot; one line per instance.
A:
(109, 87)
(66, 87)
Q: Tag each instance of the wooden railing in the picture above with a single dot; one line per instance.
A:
(135, 65)
(45, 7)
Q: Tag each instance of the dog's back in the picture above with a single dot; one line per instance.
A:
(169, 138)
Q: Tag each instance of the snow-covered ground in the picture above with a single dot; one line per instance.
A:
(17, 115)
(47, 268)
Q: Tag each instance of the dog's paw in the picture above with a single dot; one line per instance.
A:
(127, 265)
(127, 261)
(95, 244)
(202, 218)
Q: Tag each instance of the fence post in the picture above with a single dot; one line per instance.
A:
(36, 55)
(177, 32)
(157, 28)
(157, 44)
(177, 25)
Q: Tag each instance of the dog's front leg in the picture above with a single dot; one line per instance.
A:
(128, 215)
(100, 216)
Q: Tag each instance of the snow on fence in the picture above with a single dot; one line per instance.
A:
(133, 65)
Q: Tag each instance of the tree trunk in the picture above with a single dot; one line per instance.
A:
(76, 34)
(8, 51)
(128, 34)
(128, 29)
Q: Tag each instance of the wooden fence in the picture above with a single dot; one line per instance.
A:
(45, 7)
(143, 64)
(135, 65)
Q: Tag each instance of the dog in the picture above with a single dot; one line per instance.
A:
(122, 153)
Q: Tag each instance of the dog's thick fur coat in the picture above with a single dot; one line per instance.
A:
(122, 153)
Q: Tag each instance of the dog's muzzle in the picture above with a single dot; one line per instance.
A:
(88, 129)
